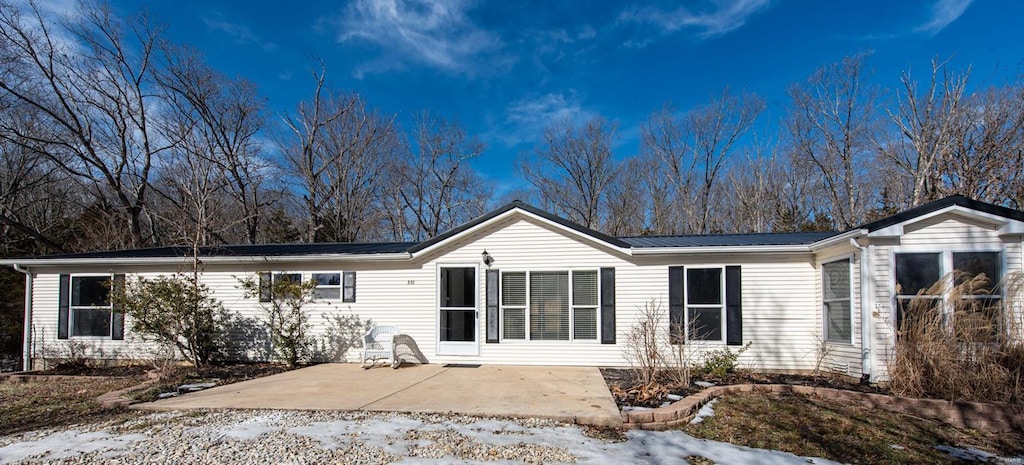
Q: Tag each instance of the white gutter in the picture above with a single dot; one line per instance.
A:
(766, 249)
(209, 260)
(866, 321)
(26, 348)
(837, 239)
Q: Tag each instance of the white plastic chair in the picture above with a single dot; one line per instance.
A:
(379, 344)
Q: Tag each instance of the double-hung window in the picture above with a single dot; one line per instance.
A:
(705, 304)
(549, 305)
(90, 306)
(835, 294)
(328, 285)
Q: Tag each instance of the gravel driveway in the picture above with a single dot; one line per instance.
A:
(301, 437)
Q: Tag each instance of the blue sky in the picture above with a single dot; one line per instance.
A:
(506, 69)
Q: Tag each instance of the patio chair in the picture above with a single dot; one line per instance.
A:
(379, 344)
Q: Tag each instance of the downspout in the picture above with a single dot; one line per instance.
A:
(26, 348)
(866, 321)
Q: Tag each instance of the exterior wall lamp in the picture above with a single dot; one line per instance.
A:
(488, 259)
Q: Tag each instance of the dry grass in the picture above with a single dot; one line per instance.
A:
(58, 402)
(968, 350)
(811, 426)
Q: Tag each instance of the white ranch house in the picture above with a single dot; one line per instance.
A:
(550, 292)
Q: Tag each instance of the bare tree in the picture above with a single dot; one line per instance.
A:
(435, 188)
(926, 122)
(574, 168)
(95, 93)
(692, 150)
(986, 161)
(832, 124)
(626, 200)
(218, 121)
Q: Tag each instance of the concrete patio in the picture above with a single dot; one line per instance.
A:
(573, 394)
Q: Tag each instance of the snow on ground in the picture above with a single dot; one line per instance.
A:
(971, 454)
(275, 436)
(707, 411)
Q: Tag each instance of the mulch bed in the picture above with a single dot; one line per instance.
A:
(623, 383)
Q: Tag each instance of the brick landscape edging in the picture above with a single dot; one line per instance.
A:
(998, 417)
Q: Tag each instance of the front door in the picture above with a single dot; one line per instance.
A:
(457, 310)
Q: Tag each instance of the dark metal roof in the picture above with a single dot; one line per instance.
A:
(729, 240)
(258, 250)
(518, 204)
(940, 204)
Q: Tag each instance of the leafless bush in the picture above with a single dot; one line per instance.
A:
(67, 354)
(643, 343)
(968, 349)
(679, 359)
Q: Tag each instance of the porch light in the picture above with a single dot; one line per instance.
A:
(488, 259)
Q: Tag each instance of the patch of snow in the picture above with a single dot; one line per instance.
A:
(703, 384)
(634, 408)
(673, 397)
(897, 447)
(164, 395)
(66, 444)
(971, 454)
(707, 411)
(195, 387)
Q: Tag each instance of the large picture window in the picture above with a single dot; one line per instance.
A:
(90, 306)
(835, 293)
(976, 276)
(705, 304)
(549, 305)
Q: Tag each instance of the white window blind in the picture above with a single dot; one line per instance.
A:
(549, 306)
(584, 300)
(513, 305)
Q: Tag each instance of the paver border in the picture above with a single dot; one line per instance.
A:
(991, 416)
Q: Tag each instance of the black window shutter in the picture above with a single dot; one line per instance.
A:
(733, 306)
(492, 278)
(266, 287)
(347, 284)
(63, 306)
(607, 305)
(676, 330)
(117, 316)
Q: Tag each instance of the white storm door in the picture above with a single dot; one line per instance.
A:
(457, 310)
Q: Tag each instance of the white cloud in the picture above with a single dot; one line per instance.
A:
(943, 13)
(527, 118)
(240, 32)
(723, 17)
(435, 33)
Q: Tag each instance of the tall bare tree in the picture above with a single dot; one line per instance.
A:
(217, 121)
(435, 188)
(692, 151)
(626, 200)
(574, 168)
(926, 122)
(91, 80)
(832, 124)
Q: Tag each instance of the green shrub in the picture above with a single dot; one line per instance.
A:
(718, 363)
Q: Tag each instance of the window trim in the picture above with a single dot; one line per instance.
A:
(687, 306)
(526, 321)
(849, 298)
(72, 307)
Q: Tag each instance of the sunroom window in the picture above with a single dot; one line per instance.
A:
(976, 277)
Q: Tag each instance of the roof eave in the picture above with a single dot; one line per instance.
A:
(841, 238)
(36, 262)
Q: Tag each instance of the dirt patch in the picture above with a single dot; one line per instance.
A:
(812, 426)
(58, 402)
(78, 369)
(172, 378)
(624, 385)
